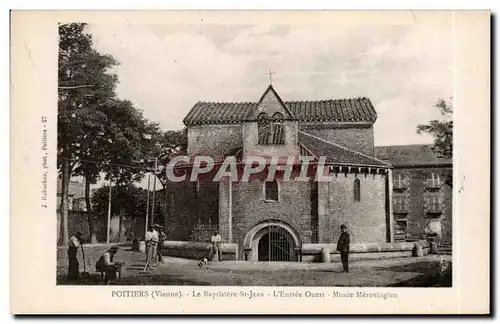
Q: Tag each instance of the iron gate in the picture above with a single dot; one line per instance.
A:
(276, 245)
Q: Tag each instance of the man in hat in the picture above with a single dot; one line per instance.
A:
(73, 265)
(151, 246)
(343, 248)
(162, 237)
(107, 265)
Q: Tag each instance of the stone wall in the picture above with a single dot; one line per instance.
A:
(365, 219)
(214, 139)
(199, 250)
(365, 251)
(251, 146)
(249, 208)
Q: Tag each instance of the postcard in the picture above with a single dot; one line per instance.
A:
(250, 162)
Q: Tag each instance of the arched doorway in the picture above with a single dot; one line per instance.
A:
(276, 245)
(271, 241)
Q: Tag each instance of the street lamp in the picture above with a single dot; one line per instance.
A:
(154, 190)
(109, 213)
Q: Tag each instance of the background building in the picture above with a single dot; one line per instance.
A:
(422, 197)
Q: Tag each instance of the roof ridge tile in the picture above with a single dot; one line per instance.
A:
(355, 109)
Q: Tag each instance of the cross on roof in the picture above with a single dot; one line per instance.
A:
(270, 76)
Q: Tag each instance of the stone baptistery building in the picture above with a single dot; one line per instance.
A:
(271, 219)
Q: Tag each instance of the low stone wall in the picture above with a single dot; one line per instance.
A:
(198, 250)
(310, 252)
(364, 251)
(229, 251)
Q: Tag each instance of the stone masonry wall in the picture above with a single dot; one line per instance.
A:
(365, 219)
(250, 208)
(214, 139)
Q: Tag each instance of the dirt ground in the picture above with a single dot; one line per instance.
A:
(404, 272)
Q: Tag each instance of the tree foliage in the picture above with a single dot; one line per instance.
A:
(441, 130)
(128, 199)
(97, 132)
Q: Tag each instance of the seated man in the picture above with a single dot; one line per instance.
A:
(107, 265)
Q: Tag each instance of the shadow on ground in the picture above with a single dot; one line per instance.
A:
(431, 274)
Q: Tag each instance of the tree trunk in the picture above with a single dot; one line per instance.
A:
(121, 211)
(88, 205)
(64, 233)
(120, 227)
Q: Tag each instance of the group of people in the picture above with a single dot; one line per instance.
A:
(105, 264)
(155, 236)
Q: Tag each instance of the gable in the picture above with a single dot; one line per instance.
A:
(270, 103)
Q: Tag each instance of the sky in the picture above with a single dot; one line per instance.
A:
(165, 69)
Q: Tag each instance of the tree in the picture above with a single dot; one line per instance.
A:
(84, 85)
(442, 131)
(96, 130)
(126, 129)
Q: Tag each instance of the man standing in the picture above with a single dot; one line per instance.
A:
(216, 239)
(73, 265)
(343, 248)
(162, 237)
(151, 245)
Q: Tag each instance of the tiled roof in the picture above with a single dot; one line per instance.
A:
(410, 155)
(339, 110)
(337, 154)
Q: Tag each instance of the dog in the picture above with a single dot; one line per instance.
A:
(202, 262)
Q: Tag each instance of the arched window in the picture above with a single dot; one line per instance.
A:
(357, 190)
(271, 130)
(271, 189)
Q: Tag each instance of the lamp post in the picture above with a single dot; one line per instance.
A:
(154, 191)
(147, 207)
(109, 213)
